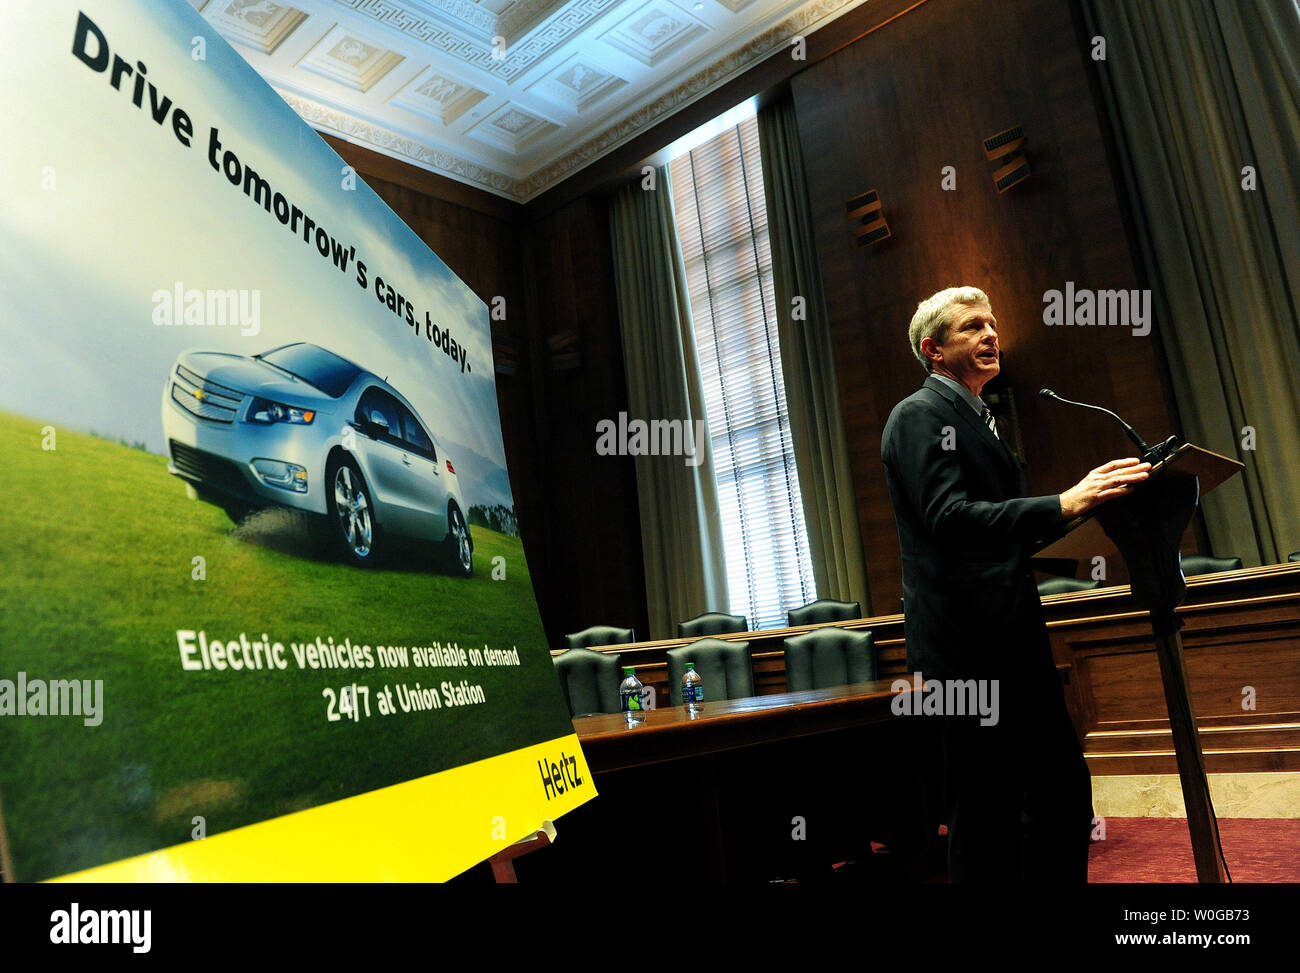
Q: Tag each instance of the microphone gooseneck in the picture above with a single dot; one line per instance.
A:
(1129, 431)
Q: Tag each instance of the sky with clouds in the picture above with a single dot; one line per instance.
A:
(132, 211)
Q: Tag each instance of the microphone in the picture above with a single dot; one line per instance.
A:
(1149, 455)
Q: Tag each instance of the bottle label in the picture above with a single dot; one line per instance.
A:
(693, 694)
(631, 700)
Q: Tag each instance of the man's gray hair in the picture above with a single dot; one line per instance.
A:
(934, 316)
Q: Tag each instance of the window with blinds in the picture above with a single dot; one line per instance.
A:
(722, 223)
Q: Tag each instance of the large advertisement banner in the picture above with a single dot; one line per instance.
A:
(264, 610)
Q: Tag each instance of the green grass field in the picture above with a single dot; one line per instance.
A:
(96, 577)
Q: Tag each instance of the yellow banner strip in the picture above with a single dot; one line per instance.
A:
(424, 830)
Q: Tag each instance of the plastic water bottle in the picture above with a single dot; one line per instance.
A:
(692, 690)
(630, 691)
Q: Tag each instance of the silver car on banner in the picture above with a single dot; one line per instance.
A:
(302, 428)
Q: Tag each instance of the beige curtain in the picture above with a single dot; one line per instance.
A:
(1198, 90)
(681, 533)
(812, 393)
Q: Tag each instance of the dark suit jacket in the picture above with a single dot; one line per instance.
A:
(966, 530)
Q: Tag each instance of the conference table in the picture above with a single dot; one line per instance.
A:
(673, 733)
(766, 788)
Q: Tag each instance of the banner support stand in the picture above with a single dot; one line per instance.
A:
(503, 862)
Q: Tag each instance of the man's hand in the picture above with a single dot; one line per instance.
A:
(1115, 479)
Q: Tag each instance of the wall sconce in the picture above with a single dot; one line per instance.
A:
(866, 210)
(1009, 147)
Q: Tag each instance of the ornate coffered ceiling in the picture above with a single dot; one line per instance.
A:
(510, 96)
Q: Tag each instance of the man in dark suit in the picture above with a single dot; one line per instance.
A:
(1017, 792)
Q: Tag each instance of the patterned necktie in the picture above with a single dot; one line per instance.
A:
(988, 421)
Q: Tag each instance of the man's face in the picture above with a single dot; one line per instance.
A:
(970, 352)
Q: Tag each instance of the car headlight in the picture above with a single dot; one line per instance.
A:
(266, 411)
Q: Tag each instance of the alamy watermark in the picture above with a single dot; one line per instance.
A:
(77, 926)
(1085, 308)
(211, 308)
(656, 437)
(946, 697)
(54, 697)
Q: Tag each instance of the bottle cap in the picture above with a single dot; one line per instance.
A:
(629, 670)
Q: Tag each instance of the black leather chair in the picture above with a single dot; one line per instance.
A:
(599, 635)
(824, 610)
(830, 656)
(723, 666)
(711, 623)
(590, 681)
(1055, 586)
(1195, 564)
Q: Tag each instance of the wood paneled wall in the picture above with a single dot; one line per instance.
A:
(888, 113)
(596, 575)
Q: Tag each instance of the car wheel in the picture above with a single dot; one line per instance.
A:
(352, 513)
(458, 545)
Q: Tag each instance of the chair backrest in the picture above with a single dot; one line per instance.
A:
(599, 635)
(830, 656)
(589, 680)
(824, 610)
(1200, 564)
(1055, 586)
(711, 623)
(723, 666)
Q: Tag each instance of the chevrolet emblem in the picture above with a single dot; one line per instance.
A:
(200, 394)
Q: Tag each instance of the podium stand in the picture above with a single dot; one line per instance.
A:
(1146, 527)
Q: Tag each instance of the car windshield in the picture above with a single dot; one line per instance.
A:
(315, 366)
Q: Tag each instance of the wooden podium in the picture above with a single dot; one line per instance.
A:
(1146, 528)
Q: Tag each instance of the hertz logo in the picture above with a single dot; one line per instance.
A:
(558, 778)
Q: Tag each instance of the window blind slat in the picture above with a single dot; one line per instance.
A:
(722, 223)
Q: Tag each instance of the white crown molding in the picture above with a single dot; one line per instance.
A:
(692, 89)
(558, 27)
(404, 148)
(562, 131)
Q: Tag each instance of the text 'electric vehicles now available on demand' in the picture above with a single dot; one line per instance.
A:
(300, 427)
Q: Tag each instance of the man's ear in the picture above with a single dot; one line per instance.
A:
(928, 347)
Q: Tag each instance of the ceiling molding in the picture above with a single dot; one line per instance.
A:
(569, 19)
(400, 147)
(688, 91)
(509, 96)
